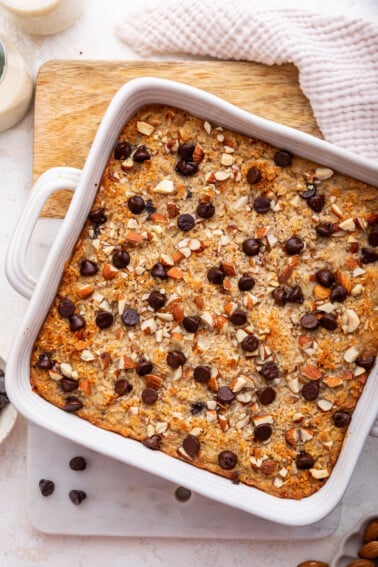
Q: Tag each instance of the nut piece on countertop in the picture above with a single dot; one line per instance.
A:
(371, 532)
(369, 550)
(313, 564)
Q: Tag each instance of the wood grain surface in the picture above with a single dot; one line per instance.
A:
(72, 96)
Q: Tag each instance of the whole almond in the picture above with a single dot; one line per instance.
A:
(313, 564)
(371, 532)
(268, 467)
(361, 563)
(369, 550)
(153, 381)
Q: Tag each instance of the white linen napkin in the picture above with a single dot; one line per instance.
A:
(337, 56)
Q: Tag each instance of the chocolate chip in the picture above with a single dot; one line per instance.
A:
(251, 246)
(46, 487)
(121, 259)
(197, 407)
(144, 367)
(328, 321)
(122, 387)
(283, 158)
(191, 324)
(246, 283)
(76, 323)
(279, 296)
(295, 295)
(368, 255)
(310, 192)
(186, 168)
(261, 205)
(122, 150)
(130, 317)
(157, 300)
(324, 229)
(141, 154)
(309, 322)
(69, 384)
(77, 496)
(189, 194)
(238, 317)
(316, 203)
(269, 370)
(202, 374)
(294, 246)
(310, 391)
(373, 237)
(366, 361)
(176, 358)
(88, 268)
(191, 445)
(325, 277)
(44, 361)
(149, 396)
(227, 460)
(304, 461)
(215, 275)
(253, 175)
(104, 319)
(185, 222)
(338, 293)
(262, 432)
(159, 271)
(185, 151)
(153, 442)
(266, 395)
(225, 395)
(72, 404)
(136, 204)
(150, 208)
(250, 343)
(78, 464)
(341, 418)
(98, 216)
(205, 210)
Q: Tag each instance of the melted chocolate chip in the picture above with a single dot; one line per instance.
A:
(246, 283)
(295, 295)
(159, 271)
(78, 464)
(238, 317)
(324, 229)
(227, 460)
(373, 237)
(141, 154)
(251, 246)
(144, 367)
(294, 246)
(269, 370)
(366, 361)
(149, 396)
(104, 319)
(205, 210)
(77, 496)
(185, 222)
(266, 395)
(150, 208)
(310, 192)
(309, 321)
(310, 391)
(316, 203)
(283, 158)
(197, 407)
(368, 255)
(338, 293)
(185, 151)
(186, 168)
(69, 384)
(76, 323)
(191, 445)
(46, 487)
(261, 205)
(72, 404)
(225, 395)
(122, 150)
(304, 461)
(130, 317)
(202, 374)
(136, 204)
(88, 268)
(176, 358)
(122, 387)
(121, 259)
(328, 321)
(279, 296)
(253, 175)
(262, 432)
(215, 275)
(44, 361)
(341, 418)
(153, 442)
(250, 343)
(191, 324)
(157, 300)
(98, 216)
(325, 277)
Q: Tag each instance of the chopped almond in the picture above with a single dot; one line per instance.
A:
(311, 372)
(332, 381)
(321, 292)
(159, 218)
(175, 273)
(198, 300)
(177, 256)
(228, 268)
(85, 291)
(109, 272)
(85, 386)
(133, 238)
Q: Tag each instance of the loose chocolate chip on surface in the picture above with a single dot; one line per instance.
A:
(144, 367)
(225, 395)
(227, 460)
(246, 283)
(88, 268)
(157, 300)
(104, 319)
(121, 259)
(338, 293)
(185, 222)
(310, 192)
(185, 151)
(341, 418)
(269, 370)
(122, 387)
(295, 295)
(262, 432)
(238, 317)
(76, 323)
(328, 321)
(368, 255)
(186, 168)
(215, 275)
(98, 216)
(130, 317)
(197, 407)
(266, 395)
(261, 205)
(283, 158)
(136, 204)
(141, 154)
(44, 361)
(310, 391)
(324, 229)
(65, 307)
(153, 442)
(373, 237)
(250, 343)
(69, 384)
(205, 210)
(149, 396)
(279, 296)
(202, 374)
(191, 445)
(72, 404)
(304, 461)
(159, 271)
(325, 277)
(122, 150)
(253, 175)
(46, 487)
(78, 464)
(309, 321)
(316, 203)
(191, 324)
(294, 246)
(366, 361)
(251, 246)
(77, 496)
(176, 358)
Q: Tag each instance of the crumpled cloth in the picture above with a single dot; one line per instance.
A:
(337, 56)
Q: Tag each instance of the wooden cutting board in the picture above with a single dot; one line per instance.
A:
(72, 96)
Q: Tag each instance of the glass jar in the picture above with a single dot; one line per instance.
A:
(43, 17)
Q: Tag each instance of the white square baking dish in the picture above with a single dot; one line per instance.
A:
(124, 105)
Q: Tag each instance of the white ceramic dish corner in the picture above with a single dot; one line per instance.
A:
(126, 102)
(8, 415)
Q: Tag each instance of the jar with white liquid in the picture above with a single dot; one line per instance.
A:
(16, 84)
(43, 17)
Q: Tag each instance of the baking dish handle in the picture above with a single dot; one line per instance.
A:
(54, 179)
